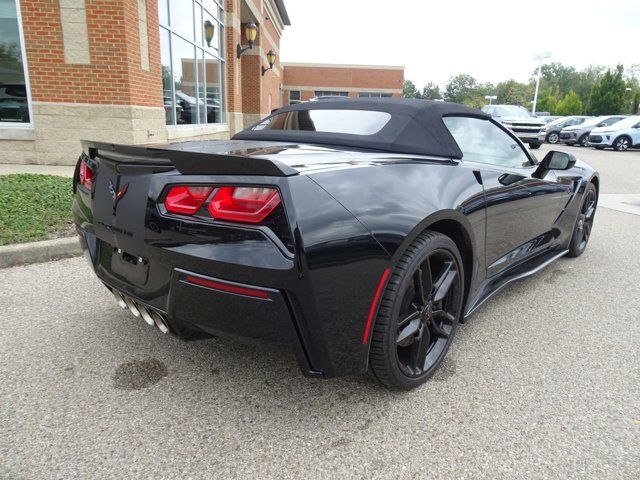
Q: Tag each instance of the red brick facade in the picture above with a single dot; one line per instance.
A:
(114, 76)
(353, 79)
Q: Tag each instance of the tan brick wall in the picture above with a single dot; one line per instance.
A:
(59, 128)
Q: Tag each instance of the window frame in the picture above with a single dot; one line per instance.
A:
(25, 68)
(533, 162)
(332, 93)
(295, 101)
(200, 55)
(374, 95)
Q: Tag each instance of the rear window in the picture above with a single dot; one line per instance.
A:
(353, 122)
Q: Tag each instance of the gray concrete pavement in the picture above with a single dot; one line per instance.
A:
(542, 382)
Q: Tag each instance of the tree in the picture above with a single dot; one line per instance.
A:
(512, 92)
(569, 105)
(409, 90)
(547, 102)
(431, 91)
(459, 88)
(557, 77)
(465, 89)
(608, 94)
(635, 103)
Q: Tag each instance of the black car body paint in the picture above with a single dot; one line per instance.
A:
(347, 214)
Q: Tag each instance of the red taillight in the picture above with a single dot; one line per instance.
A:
(186, 200)
(244, 204)
(85, 175)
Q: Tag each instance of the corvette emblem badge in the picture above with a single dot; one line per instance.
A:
(117, 194)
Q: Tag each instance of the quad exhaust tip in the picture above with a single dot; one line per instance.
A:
(139, 310)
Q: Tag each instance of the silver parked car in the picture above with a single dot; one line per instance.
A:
(580, 133)
(551, 131)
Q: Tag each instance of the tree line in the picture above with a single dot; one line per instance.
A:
(596, 90)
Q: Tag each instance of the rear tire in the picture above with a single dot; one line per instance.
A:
(553, 137)
(418, 313)
(584, 140)
(584, 222)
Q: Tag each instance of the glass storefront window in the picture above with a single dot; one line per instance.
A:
(192, 67)
(14, 102)
(214, 74)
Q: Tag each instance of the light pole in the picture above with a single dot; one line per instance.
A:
(490, 98)
(540, 57)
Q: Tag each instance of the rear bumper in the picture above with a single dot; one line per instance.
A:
(193, 302)
(315, 306)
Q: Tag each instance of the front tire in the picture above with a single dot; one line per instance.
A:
(553, 137)
(584, 222)
(418, 314)
(621, 144)
(534, 145)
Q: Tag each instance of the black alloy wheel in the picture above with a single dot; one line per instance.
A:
(621, 144)
(419, 313)
(584, 223)
(553, 137)
(584, 140)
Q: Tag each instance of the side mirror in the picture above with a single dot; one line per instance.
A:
(555, 160)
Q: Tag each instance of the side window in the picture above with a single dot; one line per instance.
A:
(483, 142)
(611, 121)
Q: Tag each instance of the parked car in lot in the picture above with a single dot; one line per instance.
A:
(519, 120)
(547, 118)
(620, 136)
(551, 131)
(579, 134)
(358, 233)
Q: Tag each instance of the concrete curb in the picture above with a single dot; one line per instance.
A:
(36, 252)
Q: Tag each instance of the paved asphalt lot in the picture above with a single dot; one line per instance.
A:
(542, 382)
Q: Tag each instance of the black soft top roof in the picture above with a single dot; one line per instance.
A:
(415, 126)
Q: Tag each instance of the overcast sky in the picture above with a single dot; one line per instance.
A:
(492, 40)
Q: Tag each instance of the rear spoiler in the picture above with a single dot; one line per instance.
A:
(186, 162)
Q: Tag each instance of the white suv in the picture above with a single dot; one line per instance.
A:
(621, 135)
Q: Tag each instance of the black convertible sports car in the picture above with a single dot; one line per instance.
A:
(358, 232)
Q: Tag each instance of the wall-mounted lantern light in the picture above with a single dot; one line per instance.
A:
(271, 58)
(209, 30)
(251, 32)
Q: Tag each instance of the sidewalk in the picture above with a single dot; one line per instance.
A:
(60, 170)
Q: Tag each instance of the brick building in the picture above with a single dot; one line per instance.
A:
(304, 81)
(148, 71)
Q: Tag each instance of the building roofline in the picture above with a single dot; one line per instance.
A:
(282, 10)
(343, 65)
